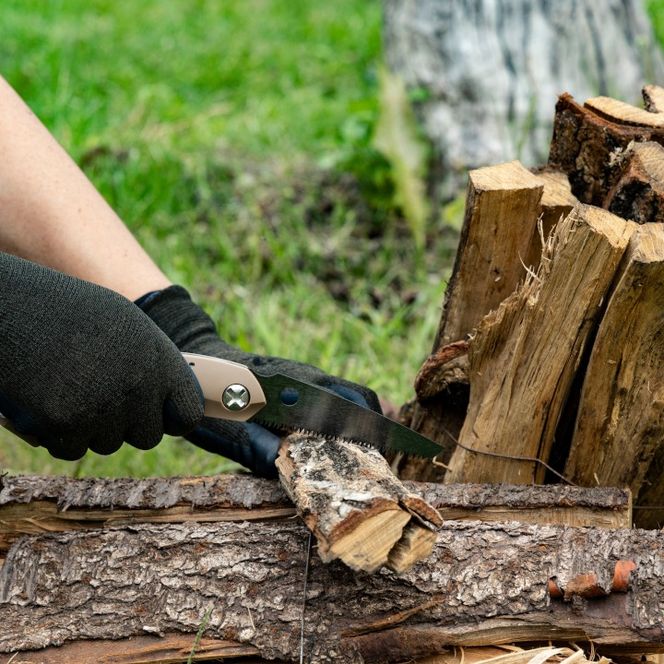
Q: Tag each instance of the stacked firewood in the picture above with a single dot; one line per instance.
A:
(549, 360)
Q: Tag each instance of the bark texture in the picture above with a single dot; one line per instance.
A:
(36, 505)
(492, 69)
(485, 583)
(639, 193)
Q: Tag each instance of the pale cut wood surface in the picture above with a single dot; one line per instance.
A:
(620, 423)
(500, 221)
(653, 98)
(639, 193)
(623, 113)
(525, 355)
(484, 584)
(502, 206)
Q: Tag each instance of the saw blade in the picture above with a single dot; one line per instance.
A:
(293, 405)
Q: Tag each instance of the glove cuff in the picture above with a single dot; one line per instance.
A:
(179, 317)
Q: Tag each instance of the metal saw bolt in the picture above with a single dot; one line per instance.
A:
(235, 397)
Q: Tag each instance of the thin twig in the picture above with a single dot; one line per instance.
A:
(199, 634)
(304, 597)
(509, 457)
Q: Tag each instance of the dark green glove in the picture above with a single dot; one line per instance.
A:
(83, 367)
(193, 331)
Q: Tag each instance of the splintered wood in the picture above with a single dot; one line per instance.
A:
(524, 355)
(566, 370)
(502, 240)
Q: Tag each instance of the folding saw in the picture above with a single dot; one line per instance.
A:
(281, 403)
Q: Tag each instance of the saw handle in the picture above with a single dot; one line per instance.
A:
(221, 382)
(231, 391)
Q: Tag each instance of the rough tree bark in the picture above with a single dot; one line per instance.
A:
(485, 583)
(32, 505)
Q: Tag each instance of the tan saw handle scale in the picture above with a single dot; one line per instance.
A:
(214, 376)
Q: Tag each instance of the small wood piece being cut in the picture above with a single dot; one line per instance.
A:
(356, 508)
(524, 355)
(620, 423)
(639, 193)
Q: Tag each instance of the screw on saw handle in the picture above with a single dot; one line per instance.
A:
(230, 390)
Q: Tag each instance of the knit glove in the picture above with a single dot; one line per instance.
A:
(193, 331)
(82, 367)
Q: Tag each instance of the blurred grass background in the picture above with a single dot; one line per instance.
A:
(235, 139)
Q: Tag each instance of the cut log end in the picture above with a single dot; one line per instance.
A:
(348, 497)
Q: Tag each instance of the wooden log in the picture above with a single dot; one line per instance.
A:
(620, 424)
(244, 582)
(525, 355)
(584, 146)
(35, 505)
(639, 192)
(502, 208)
(356, 508)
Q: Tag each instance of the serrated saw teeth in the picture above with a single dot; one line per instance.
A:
(332, 438)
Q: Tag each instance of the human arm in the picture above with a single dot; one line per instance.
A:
(50, 213)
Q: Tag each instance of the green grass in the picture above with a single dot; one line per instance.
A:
(234, 138)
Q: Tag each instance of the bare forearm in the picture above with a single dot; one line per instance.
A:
(51, 214)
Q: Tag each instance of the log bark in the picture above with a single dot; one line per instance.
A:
(585, 145)
(32, 505)
(524, 356)
(491, 70)
(620, 424)
(639, 193)
(485, 584)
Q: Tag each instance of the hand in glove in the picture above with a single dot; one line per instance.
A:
(193, 331)
(83, 367)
